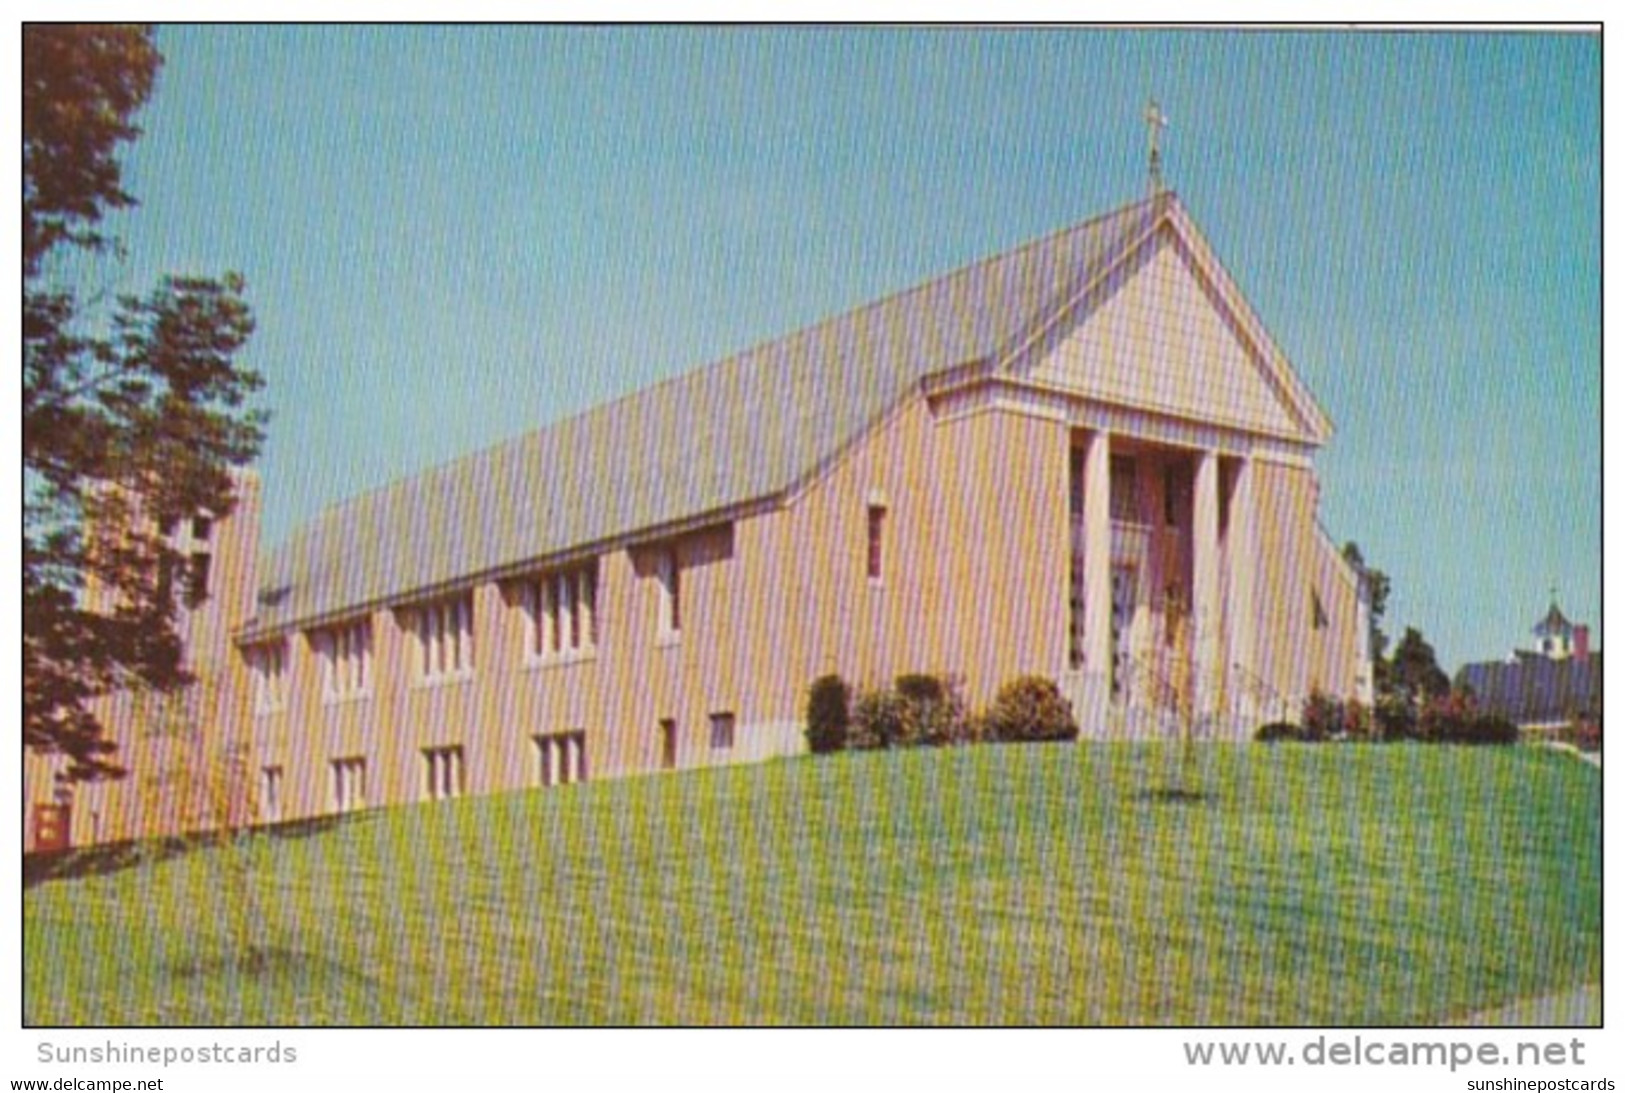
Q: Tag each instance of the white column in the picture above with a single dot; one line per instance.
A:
(1242, 645)
(1097, 555)
(1205, 607)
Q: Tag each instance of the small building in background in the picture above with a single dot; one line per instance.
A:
(1546, 690)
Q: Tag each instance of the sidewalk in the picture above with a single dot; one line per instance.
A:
(1592, 757)
(1578, 1007)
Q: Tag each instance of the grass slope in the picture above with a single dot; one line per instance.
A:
(1018, 884)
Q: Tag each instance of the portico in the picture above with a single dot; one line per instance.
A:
(1163, 551)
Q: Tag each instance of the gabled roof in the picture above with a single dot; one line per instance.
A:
(745, 430)
(1537, 690)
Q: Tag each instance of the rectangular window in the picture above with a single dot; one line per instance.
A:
(561, 758)
(345, 653)
(443, 773)
(271, 795)
(877, 540)
(1317, 611)
(722, 732)
(201, 526)
(668, 744)
(444, 631)
(268, 663)
(561, 612)
(349, 784)
(670, 573)
(1125, 486)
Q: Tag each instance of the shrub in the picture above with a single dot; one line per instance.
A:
(1359, 724)
(1491, 728)
(976, 729)
(1455, 718)
(1322, 716)
(1030, 708)
(1277, 731)
(877, 719)
(829, 714)
(1585, 733)
(1447, 718)
(921, 688)
(932, 711)
(1328, 718)
(1394, 718)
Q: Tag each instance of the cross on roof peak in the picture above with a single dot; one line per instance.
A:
(1155, 122)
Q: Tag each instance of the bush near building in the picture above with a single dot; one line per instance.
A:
(829, 714)
(1453, 717)
(918, 710)
(925, 710)
(1328, 718)
(933, 711)
(1031, 708)
(877, 719)
(1277, 731)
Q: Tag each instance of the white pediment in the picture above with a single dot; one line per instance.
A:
(1160, 337)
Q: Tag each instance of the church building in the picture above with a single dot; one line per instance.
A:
(1084, 459)
(1546, 690)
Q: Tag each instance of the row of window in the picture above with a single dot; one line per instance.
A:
(561, 623)
(186, 577)
(561, 613)
(559, 759)
(345, 655)
(192, 588)
(200, 526)
(445, 638)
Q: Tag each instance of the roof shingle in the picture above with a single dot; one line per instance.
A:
(747, 428)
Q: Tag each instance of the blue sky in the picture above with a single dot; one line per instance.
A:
(451, 236)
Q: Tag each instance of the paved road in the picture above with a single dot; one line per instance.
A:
(1592, 757)
(1578, 1007)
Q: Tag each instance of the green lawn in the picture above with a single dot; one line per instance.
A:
(1315, 885)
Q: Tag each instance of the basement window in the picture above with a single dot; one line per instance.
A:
(722, 732)
(561, 758)
(443, 773)
(350, 784)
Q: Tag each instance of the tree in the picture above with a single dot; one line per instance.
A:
(1378, 587)
(198, 786)
(1415, 672)
(129, 418)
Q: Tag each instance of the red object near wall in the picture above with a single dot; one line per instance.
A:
(52, 830)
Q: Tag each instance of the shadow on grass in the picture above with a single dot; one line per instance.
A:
(270, 963)
(43, 866)
(1174, 795)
